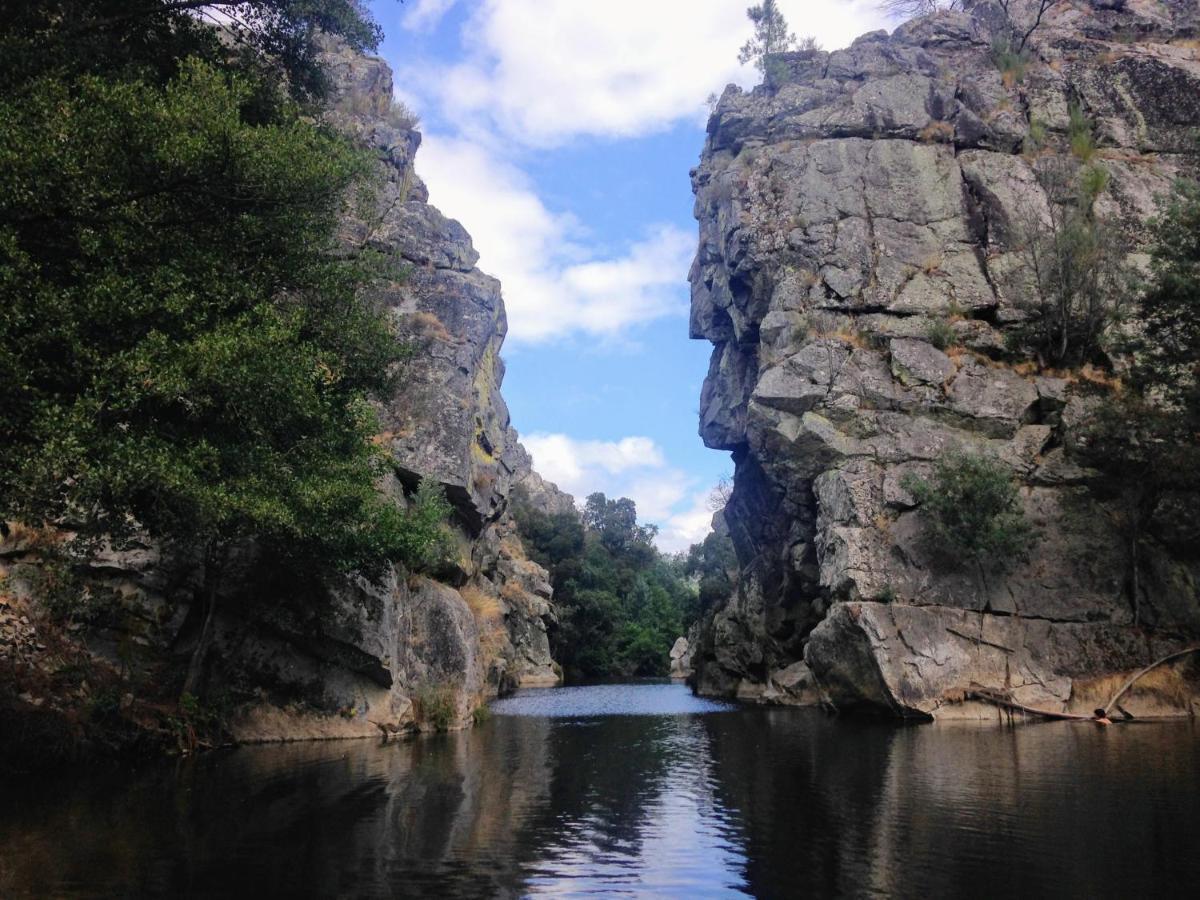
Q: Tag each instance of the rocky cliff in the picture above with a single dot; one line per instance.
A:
(865, 201)
(296, 660)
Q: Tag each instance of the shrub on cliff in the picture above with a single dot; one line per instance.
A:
(972, 511)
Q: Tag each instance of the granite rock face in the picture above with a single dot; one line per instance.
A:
(480, 630)
(852, 217)
(303, 660)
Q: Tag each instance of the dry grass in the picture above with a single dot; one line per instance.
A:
(1165, 686)
(489, 618)
(33, 539)
(512, 592)
(483, 481)
(937, 133)
(386, 437)
(483, 605)
(932, 263)
(512, 547)
(428, 326)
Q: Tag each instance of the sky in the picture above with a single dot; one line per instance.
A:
(560, 133)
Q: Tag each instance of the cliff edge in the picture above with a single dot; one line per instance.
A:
(857, 213)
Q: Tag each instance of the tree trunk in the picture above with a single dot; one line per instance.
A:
(214, 560)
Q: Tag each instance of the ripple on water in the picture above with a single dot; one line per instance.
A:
(652, 699)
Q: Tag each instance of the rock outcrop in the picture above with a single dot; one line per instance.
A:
(304, 660)
(857, 213)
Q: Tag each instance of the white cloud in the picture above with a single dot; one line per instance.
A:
(633, 467)
(553, 283)
(542, 73)
(425, 14)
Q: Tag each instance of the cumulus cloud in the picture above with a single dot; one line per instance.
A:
(425, 14)
(542, 73)
(633, 467)
(554, 284)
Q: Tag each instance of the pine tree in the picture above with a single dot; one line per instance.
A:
(771, 36)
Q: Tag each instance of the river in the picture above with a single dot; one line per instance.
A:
(635, 790)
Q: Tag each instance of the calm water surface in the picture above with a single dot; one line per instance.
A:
(634, 790)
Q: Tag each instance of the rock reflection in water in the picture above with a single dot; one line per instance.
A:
(564, 791)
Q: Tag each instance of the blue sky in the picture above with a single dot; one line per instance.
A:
(560, 133)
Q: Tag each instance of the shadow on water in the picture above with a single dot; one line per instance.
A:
(632, 789)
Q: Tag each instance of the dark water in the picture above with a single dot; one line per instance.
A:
(633, 790)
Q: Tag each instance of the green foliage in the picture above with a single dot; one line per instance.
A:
(436, 707)
(480, 715)
(1145, 438)
(181, 346)
(771, 37)
(971, 510)
(1079, 133)
(941, 334)
(275, 40)
(1075, 279)
(621, 604)
(1036, 137)
(1011, 62)
(714, 564)
(185, 347)
(1168, 357)
(422, 539)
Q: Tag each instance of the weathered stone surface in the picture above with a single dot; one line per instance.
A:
(872, 203)
(681, 658)
(925, 661)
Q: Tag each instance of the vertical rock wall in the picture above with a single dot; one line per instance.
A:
(299, 660)
(873, 196)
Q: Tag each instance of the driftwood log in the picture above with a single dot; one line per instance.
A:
(1101, 715)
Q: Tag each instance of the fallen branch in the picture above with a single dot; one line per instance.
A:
(1154, 665)
(1007, 703)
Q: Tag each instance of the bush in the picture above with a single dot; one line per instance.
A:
(971, 509)
(1011, 62)
(435, 705)
(424, 539)
(941, 334)
(1079, 131)
(401, 117)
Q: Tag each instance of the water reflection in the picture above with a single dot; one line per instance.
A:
(567, 792)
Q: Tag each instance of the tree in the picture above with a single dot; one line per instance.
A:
(714, 564)
(1074, 280)
(771, 36)
(184, 347)
(972, 510)
(275, 38)
(1168, 356)
(909, 9)
(621, 603)
(1144, 438)
(1022, 17)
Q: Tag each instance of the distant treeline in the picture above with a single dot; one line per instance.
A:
(621, 603)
